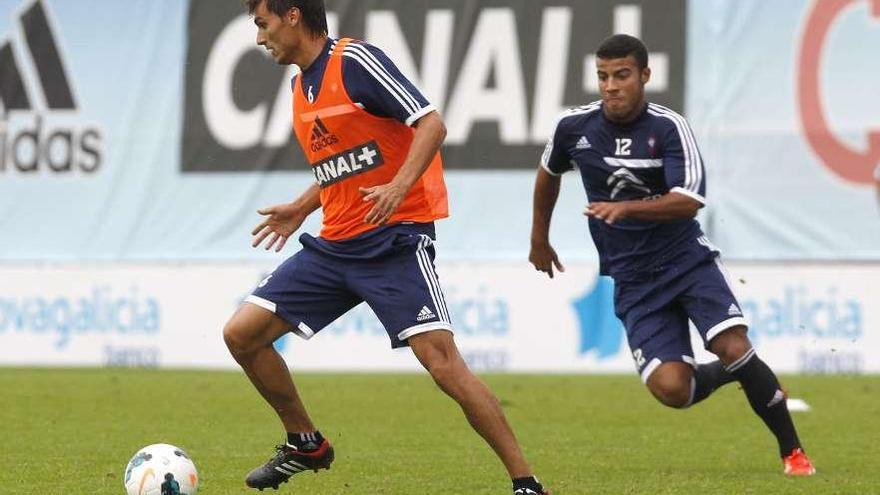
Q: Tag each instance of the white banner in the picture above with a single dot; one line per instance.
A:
(805, 318)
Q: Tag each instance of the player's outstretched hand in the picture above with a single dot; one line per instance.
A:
(281, 221)
(386, 198)
(544, 257)
(609, 212)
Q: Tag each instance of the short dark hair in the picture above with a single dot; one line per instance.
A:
(313, 14)
(622, 46)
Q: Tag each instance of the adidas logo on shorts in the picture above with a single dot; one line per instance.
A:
(583, 143)
(425, 314)
(733, 310)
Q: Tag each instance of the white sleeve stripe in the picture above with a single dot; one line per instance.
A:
(692, 166)
(570, 112)
(697, 161)
(688, 193)
(693, 161)
(547, 169)
(381, 81)
(384, 71)
(421, 113)
(692, 169)
(366, 58)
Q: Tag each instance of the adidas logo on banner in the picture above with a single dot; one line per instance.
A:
(583, 143)
(425, 314)
(733, 310)
(44, 97)
(321, 137)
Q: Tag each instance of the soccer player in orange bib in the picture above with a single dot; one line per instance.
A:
(372, 141)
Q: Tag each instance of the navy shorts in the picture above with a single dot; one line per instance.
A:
(390, 268)
(656, 315)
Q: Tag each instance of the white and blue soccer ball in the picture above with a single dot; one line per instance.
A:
(161, 469)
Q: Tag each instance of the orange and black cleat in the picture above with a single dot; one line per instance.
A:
(798, 464)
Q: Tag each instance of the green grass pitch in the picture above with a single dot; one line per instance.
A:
(72, 431)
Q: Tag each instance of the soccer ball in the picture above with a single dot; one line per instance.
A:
(161, 469)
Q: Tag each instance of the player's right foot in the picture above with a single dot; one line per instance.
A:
(528, 485)
(287, 462)
(798, 464)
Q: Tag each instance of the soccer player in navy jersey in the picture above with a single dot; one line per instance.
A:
(372, 143)
(645, 182)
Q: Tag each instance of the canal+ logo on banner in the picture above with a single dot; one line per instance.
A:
(40, 133)
(500, 73)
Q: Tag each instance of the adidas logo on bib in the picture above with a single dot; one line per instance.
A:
(425, 314)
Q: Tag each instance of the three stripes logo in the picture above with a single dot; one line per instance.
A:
(321, 137)
(425, 314)
(38, 105)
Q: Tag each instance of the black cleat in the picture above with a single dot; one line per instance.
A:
(287, 462)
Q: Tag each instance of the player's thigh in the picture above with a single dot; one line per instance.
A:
(307, 291)
(404, 290)
(711, 304)
(657, 337)
(253, 327)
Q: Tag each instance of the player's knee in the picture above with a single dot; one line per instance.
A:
(448, 375)
(730, 345)
(672, 387)
(442, 372)
(672, 395)
(236, 340)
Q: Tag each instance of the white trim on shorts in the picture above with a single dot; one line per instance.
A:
(301, 330)
(656, 362)
(259, 301)
(424, 327)
(649, 368)
(725, 325)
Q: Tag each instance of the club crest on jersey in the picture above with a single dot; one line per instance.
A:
(321, 136)
(349, 163)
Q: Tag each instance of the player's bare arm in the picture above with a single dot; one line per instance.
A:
(283, 220)
(386, 198)
(669, 207)
(542, 255)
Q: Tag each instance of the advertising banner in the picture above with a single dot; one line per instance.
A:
(153, 129)
(500, 72)
(507, 317)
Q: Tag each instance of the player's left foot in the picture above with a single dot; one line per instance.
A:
(798, 464)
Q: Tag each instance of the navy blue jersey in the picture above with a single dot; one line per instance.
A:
(642, 160)
(372, 81)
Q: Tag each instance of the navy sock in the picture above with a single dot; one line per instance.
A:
(766, 398)
(305, 442)
(709, 377)
(527, 486)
